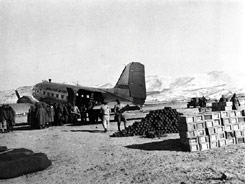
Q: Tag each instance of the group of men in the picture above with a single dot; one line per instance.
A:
(119, 110)
(7, 118)
(42, 115)
(234, 99)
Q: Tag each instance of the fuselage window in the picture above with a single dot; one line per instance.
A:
(52, 94)
(44, 93)
(62, 96)
(48, 94)
(57, 96)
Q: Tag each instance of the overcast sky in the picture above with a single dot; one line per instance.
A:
(90, 41)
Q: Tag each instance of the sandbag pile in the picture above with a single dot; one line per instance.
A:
(206, 131)
(17, 162)
(155, 124)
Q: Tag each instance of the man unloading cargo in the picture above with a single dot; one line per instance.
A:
(119, 114)
(105, 112)
(235, 102)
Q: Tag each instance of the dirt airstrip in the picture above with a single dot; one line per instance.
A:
(84, 154)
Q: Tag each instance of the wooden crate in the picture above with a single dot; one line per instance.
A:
(186, 119)
(208, 123)
(229, 134)
(224, 114)
(211, 115)
(212, 130)
(241, 119)
(214, 144)
(204, 146)
(191, 147)
(203, 139)
(235, 127)
(217, 122)
(200, 125)
(225, 121)
(233, 120)
(213, 137)
(221, 129)
(221, 136)
(230, 141)
(198, 118)
(240, 140)
(242, 126)
(228, 127)
(239, 133)
(222, 142)
(185, 127)
(201, 132)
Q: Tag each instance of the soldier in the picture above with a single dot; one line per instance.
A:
(90, 111)
(10, 114)
(3, 118)
(235, 102)
(105, 112)
(83, 112)
(65, 114)
(119, 115)
(41, 116)
(203, 102)
(223, 99)
(75, 114)
(32, 116)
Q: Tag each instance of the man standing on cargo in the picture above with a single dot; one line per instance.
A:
(105, 112)
(119, 115)
(235, 102)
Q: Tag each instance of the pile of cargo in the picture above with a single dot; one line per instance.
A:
(212, 129)
(155, 124)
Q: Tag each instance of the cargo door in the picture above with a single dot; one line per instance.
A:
(71, 96)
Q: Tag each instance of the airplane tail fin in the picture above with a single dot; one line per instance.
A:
(132, 83)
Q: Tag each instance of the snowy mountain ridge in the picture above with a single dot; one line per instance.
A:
(169, 88)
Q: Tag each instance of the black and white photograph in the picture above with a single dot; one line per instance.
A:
(122, 91)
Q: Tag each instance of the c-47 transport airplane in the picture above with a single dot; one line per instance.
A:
(129, 89)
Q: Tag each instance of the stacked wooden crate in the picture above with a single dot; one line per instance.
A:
(211, 130)
(222, 106)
